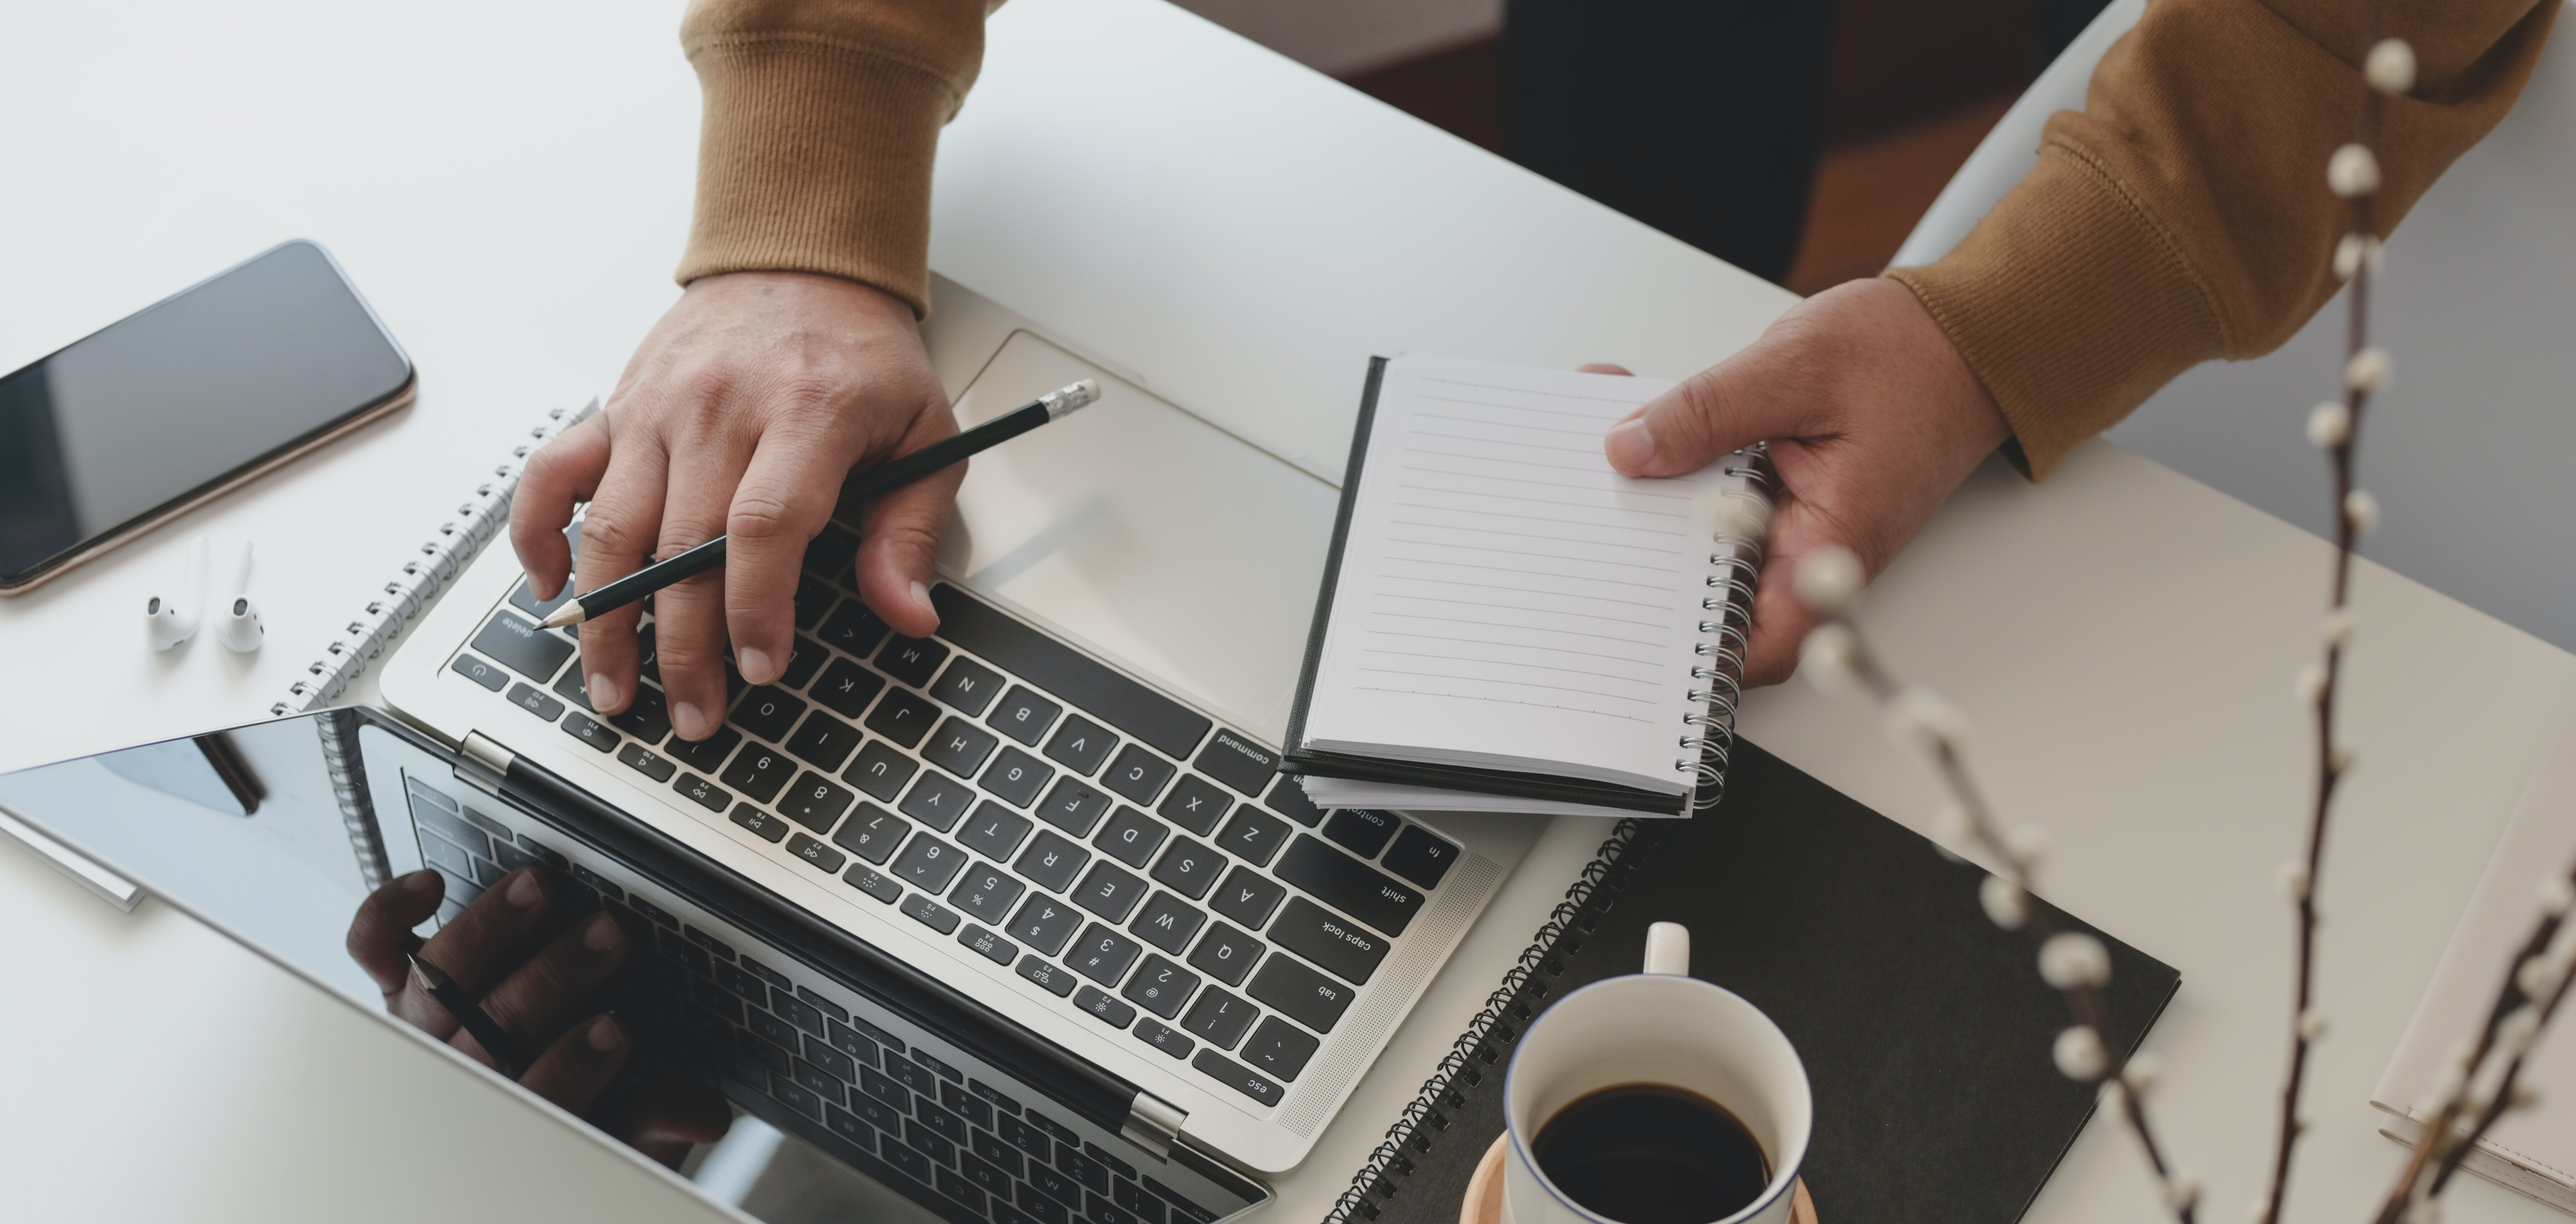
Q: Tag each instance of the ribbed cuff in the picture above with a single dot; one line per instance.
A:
(815, 158)
(2070, 304)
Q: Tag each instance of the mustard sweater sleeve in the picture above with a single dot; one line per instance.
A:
(2183, 214)
(820, 124)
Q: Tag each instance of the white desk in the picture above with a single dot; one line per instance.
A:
(509, 184)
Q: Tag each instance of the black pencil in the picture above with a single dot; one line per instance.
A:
(443, 988)
(880, 479)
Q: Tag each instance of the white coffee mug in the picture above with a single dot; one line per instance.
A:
(1663, 1027)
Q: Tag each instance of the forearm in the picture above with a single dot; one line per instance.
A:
(2183, 216)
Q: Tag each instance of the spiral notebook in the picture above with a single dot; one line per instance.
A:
(1925, 1030)
(1507, 624)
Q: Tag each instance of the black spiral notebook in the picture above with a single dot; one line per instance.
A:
(1925, 1030)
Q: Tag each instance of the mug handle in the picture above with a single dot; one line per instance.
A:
(1668, 949)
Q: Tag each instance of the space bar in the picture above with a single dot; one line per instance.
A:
(1060, 669)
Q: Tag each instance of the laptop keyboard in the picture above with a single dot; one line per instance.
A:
(1098, 842)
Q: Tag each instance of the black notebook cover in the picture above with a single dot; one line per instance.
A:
(1925, 1029)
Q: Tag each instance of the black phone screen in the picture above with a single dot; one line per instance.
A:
(166, 402)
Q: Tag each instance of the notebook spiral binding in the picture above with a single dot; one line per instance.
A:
(1736, 541)
(1600, 881)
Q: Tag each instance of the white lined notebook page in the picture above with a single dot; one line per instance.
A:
(1505, 599)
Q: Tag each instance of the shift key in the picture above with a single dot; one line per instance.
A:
(1330, 940)
(1348, 885)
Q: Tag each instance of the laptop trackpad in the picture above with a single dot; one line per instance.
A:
(1159, 540)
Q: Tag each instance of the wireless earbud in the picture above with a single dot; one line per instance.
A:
(237, 622)
(168, 620)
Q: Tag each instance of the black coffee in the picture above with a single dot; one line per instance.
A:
(1652, 1154)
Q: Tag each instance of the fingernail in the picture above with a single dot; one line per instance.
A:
(691, 721)
(421, 882)
(755, 666)
(603, 692)
(524, 891)
(921, 600)
(1629, 446)
(602, 934)
(605, 1036)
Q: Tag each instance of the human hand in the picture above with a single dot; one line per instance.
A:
(543, 980)
(1872, 417)
(742, 412)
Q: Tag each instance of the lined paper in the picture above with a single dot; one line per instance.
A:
(1505, 598)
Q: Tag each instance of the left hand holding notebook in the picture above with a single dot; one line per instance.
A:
(1872, 417)
(742, 413)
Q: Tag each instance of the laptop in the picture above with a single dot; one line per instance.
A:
(1018, 922)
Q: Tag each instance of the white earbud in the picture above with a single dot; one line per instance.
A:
(237, 622)
(170, 620)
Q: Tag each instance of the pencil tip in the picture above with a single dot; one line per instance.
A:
(568, 614)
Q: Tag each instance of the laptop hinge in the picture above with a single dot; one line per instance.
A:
(1153, 1124)
(482, 764)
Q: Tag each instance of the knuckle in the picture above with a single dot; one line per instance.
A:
(763, 513)
(609, 535)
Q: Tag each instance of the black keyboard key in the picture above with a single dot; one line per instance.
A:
(706, 754)
(1131, 837)
(1160, 987)
(705, 793)
(853, 628)
(937, 801)
(1195, 804)
(1253, 835)
(824, 741)
(1137, 774)
(1227, 954)
(1023, 715)
(912, 1163)
(1125, 1192)
(1055, 1185)
(807, 993)
(956, 1098)
(820, 1082)
(768, 712)
(1344, 883)
(1341, 946)
(1280, 1049)
(848, 1128)
(880, 770)
(911, 660)
(1306, 996)
(1040, 1208)
(922, 1138)
(769, 827)
(1361, 831)
(805, 1016)
(647, 717)
(903, 717)
(829, 555)
(1235, 1075)
(1016, 777)
(987, 892)
(1052, 862)
(999, 1101)
(968, 685)
(948, 1125)
(994, 1151)
(874, 883)
(570, 687)
(814, 802)
(1219, 1018)
(479, 672)
(987, 1176)
(802, 658)
(1420, 856)
(1167, 922)
(1102, 955)
(839, 1064)
(846, 688)
(1169, 1040)
(872, 834)
(1101, 1154)
(959, 747)
(929, 913)
(1189, 868)
(994, 948)
(1183, 1210)
(1289, 800)
(815, 852)
(1098, 1210)
(648, 656)
(525, 598)
(1059, 669)
(1045, 923)
(1057, 979)
(536, 703)
(1027, 1138)
(1074, 807)
(813, 599)
(1090, 1174)
(1063, 1134)
(771, 976)
(886, 1088)
(929, 864)
(1238, 762)
(994, 831)
(709, 942)
(1081, 745)
(1248, 898)
(760, 772)
(859, 1046)
(756, 1050)
(1100, 1006)
(773, 1030)
(1109, 892)
(522, 647)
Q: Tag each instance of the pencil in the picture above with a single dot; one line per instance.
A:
(443, 988)
(885, 477)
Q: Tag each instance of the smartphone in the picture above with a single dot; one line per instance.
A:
(168, 407)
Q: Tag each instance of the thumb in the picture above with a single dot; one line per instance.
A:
(1725, 407)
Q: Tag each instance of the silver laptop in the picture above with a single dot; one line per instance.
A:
(1017, 922)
